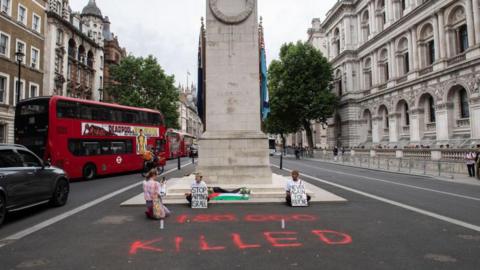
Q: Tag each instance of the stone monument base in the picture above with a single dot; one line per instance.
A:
(260, 193)
(234, 158)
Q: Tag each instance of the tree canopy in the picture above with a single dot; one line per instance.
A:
(300, 88)
(141, 82)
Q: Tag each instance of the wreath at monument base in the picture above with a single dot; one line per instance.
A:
(220, 194)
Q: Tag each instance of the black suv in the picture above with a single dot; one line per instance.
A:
(25, 181)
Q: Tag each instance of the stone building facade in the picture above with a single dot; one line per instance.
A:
(407, 72)
(189, 120)
(113, 56)
(74, 51)
(22, 28)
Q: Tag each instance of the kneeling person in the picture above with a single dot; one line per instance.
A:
(294, 182)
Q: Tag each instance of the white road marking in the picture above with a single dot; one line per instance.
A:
(46, 223)
(395, 183)
(402, 205)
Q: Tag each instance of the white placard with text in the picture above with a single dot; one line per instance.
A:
(199, 197)
(298, 196)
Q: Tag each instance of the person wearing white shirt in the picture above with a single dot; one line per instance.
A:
(196, 184)
(291, 183)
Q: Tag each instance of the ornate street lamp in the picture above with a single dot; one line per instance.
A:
(20, 56)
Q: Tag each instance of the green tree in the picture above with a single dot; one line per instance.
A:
(300, 88)
(141, 82)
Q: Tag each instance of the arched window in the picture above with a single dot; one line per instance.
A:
(464, 106)
(365, 26)
(336, 41)
(81, 54)
(462, 38)
(403, 61)
(383, 63)
(381, 14)
(427, 45)
(71, 48)
(367, 72)
(406, 115)
(431, 109)
(338, 82)
(457, 31)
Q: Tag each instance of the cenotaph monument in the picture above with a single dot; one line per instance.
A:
(233, 150)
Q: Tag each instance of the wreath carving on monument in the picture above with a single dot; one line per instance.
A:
(232, 19)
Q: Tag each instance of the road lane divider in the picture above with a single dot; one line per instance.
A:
(395, 183)
(51, 221)
(394, 203)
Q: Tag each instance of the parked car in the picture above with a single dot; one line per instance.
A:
(26, 181)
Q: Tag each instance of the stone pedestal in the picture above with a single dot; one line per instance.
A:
(235, 158)
(233, 150)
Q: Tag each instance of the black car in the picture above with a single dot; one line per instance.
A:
(26, 181)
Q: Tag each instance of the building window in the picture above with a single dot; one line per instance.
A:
(430, 52)
(3, 89)
(17, 95)
(4, 44)
(33, 90)
(101, 62)
(406, 114)
(78, 75)
(406, 63)
(383, 16)
(464, 106)
(36, 22)
(22, 14)
(3, 133)
(35, 58)
(21, 48)
(462, 38)
(5, 6)
(431, 110)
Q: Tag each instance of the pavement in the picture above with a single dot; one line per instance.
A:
(373, 230)
(457, 178)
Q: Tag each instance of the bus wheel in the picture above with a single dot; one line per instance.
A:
(3, 209)
(89, 172)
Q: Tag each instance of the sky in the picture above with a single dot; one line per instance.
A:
(169, 29)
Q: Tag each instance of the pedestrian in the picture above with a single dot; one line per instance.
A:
(477, 161)
(196, 184)
(335, 153)
(295, 181)
(151, 188)
(470, 158)
(297, 152)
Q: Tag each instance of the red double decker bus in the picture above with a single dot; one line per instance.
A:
(88, 138)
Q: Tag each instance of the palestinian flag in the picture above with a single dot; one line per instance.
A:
(228, 197)
(219, 194)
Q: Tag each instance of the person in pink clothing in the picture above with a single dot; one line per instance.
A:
(150, 191)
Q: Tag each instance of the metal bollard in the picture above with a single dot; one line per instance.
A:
(439, 168)
(179, 164)
(388, 164)
(424, 167)
(400, 164)
(281, 162)
(410, 166)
